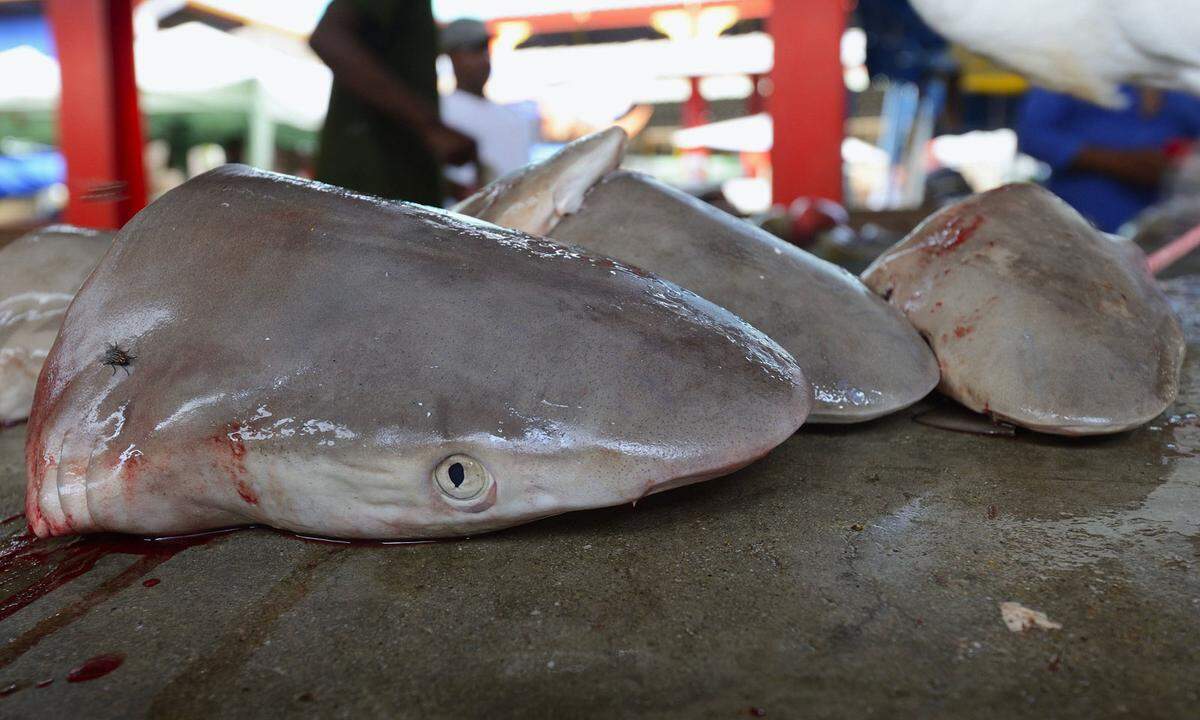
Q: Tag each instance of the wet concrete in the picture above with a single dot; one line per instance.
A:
(855, 572)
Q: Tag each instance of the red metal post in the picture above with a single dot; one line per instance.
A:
(100, 127)
(695, 108)
(695, 112)
(808, 99)
(755, 102)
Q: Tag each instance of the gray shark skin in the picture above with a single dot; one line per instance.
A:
(292, 354)
(39, 274)
(862, 357)
(1036, 317)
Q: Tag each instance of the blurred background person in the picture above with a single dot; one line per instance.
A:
(1108, 164)
(383, 134)
(504, 137)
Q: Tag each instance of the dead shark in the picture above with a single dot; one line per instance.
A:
(261, 349)
(1035, 317)
(39, 274)
(862, 357)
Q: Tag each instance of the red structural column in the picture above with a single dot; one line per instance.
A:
(695, 108)
(100, 127)
(808, 99)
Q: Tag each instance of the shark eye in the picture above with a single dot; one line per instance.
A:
(460, 477)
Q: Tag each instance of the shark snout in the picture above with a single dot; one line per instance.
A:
(57, 498)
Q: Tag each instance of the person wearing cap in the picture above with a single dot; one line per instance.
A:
(383, 134)
(503, 135)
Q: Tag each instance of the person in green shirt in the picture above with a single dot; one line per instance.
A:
(382, 133)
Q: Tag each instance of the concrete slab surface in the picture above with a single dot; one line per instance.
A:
(855, 572)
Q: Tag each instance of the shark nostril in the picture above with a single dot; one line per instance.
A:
(461, 477)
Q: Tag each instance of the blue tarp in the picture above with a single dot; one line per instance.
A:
(25, 174)
(899, 44)
(32, 30)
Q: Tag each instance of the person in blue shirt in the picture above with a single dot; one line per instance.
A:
(1108, 164)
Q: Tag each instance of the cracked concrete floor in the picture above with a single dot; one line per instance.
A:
(855, 572)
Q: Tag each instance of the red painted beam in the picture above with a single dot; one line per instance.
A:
(808, 100)
(100, 127)
(696, 108)
(628, 17)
